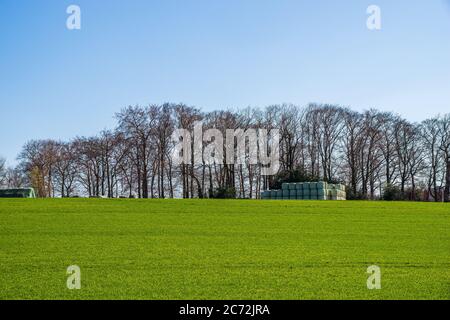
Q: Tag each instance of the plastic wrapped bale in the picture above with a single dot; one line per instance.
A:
(293, 195)
(286, 194)
(329, 194)
(273, 194)
(305, 186)
(321, 185)
(285, 186)
(322, 197)
(279, 194)
(333, 194)
(313, 185)
(313, 193)
(266, 195)
(306, 193)
(299, 186)
(292, 186)
(299, 194)
(321, 193)
(306, 197)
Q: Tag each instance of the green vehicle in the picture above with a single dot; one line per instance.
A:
(18, 193)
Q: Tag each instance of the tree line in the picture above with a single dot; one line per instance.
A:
(377, 155)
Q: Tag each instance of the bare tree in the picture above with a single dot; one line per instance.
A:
(185, 118)
(430, 138)
(136, 124)
(352, 143)
(444, 126)
(2, 171)
(38, 159)
(65, 168)
(404, 138)
(388, 146)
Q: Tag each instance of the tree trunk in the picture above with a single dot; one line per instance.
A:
(447, 181)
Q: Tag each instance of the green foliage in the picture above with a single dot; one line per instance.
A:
(224, 193)
(222, 249)
(392, 193)
(355, 196)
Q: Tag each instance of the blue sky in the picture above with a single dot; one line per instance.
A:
(57, 83)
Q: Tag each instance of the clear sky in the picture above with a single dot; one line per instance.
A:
(57, 83)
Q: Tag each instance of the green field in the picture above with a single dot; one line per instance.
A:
(231, 249)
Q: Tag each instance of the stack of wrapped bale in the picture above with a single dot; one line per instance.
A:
(307, 191)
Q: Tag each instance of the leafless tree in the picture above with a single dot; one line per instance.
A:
(430, 139)
(444, 127)
(352, 143)
(136, 124)
(2, 171)
(38, 160)
(65, 168)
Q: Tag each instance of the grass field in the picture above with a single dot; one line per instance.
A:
(213, 249)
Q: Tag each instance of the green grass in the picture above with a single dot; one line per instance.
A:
(213, 249)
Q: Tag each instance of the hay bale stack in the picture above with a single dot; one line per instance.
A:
(307, 191)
